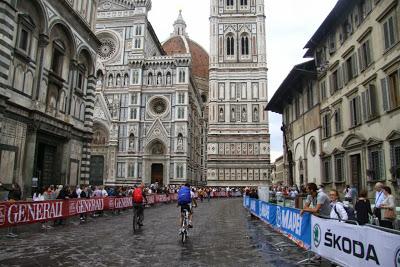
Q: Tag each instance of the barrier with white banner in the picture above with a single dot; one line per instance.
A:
(354, 245)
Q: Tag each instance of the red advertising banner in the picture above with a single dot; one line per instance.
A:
(22, 212)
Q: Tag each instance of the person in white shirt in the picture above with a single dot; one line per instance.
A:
(337, 212)
(379, 197)
(104, 192)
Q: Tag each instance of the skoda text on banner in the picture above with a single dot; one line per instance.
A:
(353, 245)
(296, 227)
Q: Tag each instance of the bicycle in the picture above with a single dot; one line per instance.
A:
(185, 226)
(136, 219)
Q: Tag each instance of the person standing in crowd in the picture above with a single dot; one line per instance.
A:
(253, 194)
(347, 194)
(388, 208)
(84, 194)
(363, 208)
(379, 197)
(316, 203)
(337, 209)
(14, 194)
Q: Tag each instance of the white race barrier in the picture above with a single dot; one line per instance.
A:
(354, 245)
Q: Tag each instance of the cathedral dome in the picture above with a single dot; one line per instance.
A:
(180, 43)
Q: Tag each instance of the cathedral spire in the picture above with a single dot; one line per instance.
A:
(179, 26)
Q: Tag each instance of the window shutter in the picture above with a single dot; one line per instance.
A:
(369, 55)
(364, 105)
(372, 100)
(361, 59)
(331, 82)
(354, 64)
(358, 110)
(342, 74)
(385, 94)
(352, 112)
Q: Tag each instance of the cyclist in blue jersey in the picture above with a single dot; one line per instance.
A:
(186, 200)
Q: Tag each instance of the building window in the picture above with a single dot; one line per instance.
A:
(310, 96)
(122, 137)
(233, 91)
(339, 168)
(138, 43)
(244, 90)
(134, 98)
(323, 90)
(182, 76)
(123, 114)
(365, 55)
(326, 169)
(181, 98)
(133, 115)
(334, 81)
(369, 102)
(58, 57)
(23, 40)
(131, 170)
(221, 91)
(181, 113)
(355, 111)
(395, 159)
(121, 169)
(135, 77)
(179, 171)
(245, 45)
(229, 2)
(338, 120)
(230, 46)
(332, 43)
(254, 87)
(376, 163)
(297, 106)
(390, 32)
(138, 30)
(350, 68)
(326, 125)
(243, 2)
(391, 91)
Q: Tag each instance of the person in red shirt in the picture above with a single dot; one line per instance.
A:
(139, 197)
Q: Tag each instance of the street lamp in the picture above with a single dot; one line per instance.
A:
(289, 155)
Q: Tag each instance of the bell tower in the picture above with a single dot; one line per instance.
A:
(238, 137)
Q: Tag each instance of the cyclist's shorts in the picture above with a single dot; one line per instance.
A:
(186, 207)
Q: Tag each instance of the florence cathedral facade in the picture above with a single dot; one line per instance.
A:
(150, 100)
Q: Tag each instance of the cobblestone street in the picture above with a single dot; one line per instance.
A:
(223, 235)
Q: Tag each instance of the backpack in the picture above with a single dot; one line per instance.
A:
(184, 196)
(351, 214)
(138, 195)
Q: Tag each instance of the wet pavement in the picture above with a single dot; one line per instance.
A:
(223, 235)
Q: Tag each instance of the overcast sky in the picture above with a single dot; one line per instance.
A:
(290, 24)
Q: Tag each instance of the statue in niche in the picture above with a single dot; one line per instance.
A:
(158, 79)
(255, 115)
(131, 142)
(110, 81)
(221, 114)
(168, 79)
(180, 142)
(126, 80)
(244, 115)
(118, 80)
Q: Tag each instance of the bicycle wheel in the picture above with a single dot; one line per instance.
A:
(184, 236)
(135, 219)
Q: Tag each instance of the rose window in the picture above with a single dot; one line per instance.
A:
(158, 106)
(107, 49)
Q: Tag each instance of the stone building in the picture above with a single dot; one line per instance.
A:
(148, 118)
(297, 99)
(47, 62)
(278, 173)
(356, 52)
(238, 149)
